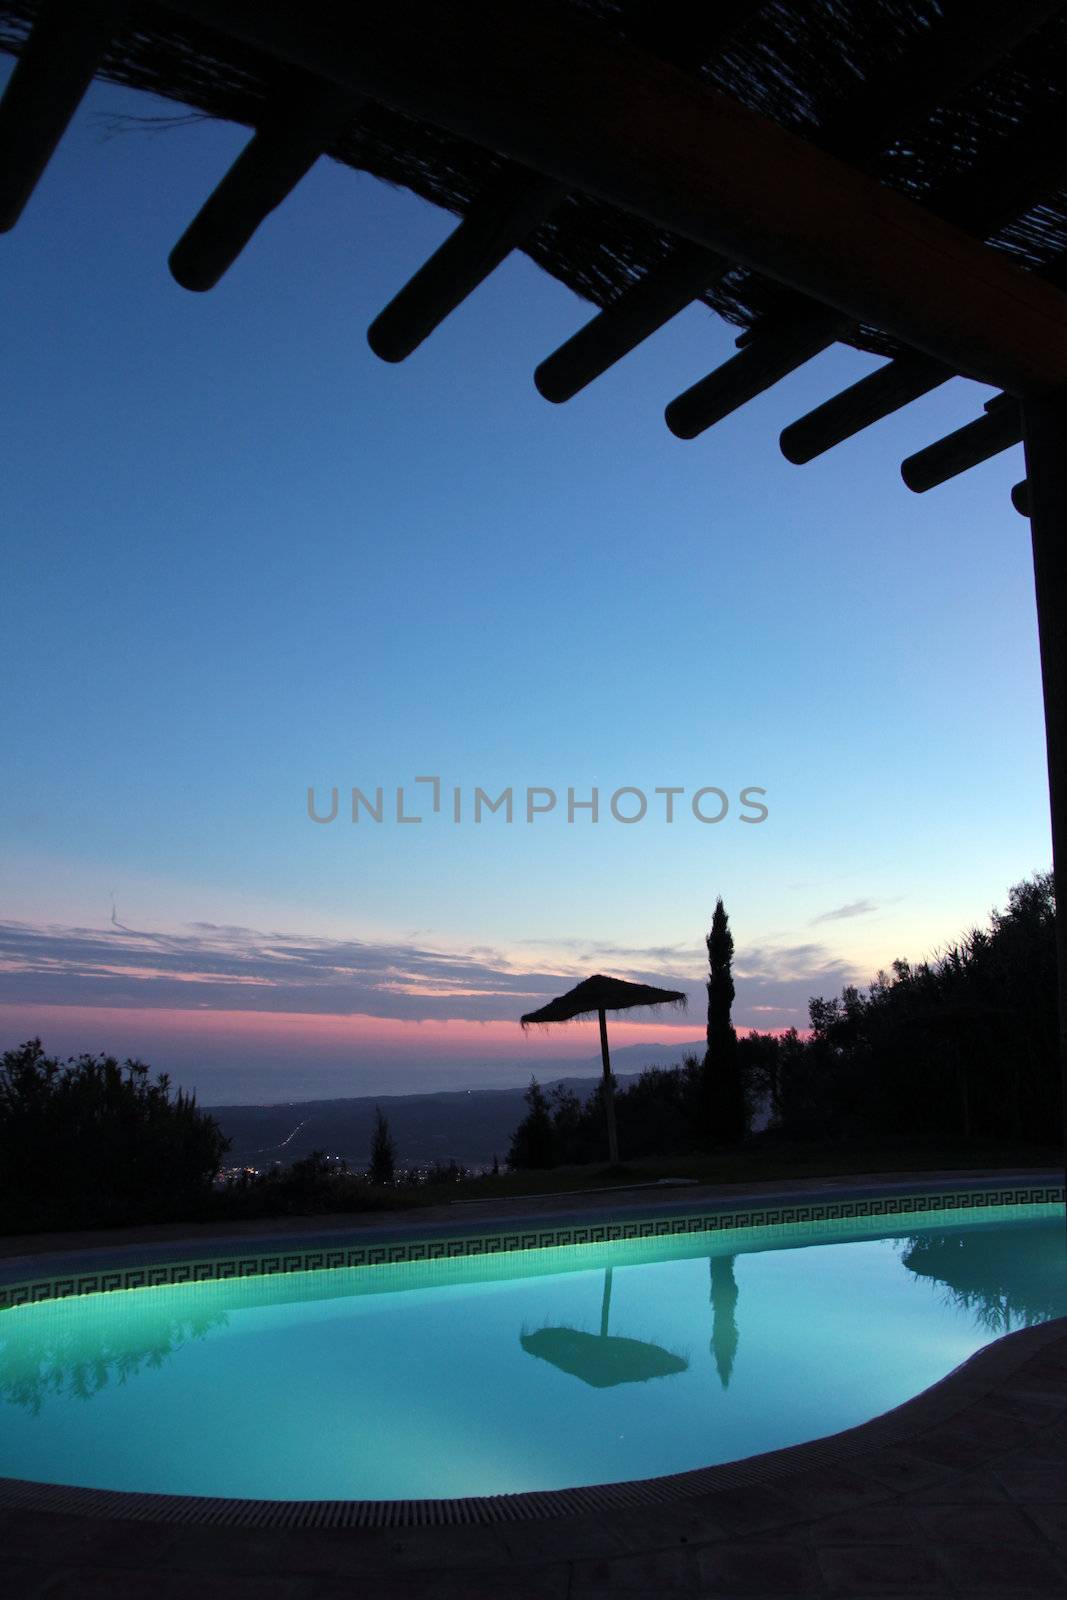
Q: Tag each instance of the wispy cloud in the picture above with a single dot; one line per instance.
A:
(210, 966)
(230, 967)
(669, 957)
(854, 908)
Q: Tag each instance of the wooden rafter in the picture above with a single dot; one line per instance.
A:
(297, 126)
(632, 318)
(752, 370)
(540, 86)
(498, 220)
(863, 403)
(975, 442)
(519, 200)
(968, 41)
(46, 88)
(878, 395)
(1028, 166)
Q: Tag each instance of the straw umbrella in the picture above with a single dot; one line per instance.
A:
(600, 995)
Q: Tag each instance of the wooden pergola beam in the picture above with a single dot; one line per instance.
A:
(50, 78)
(519, 200)
(638, 312)
(863, 403)
(498, 220)
(1022, 170)
(977, 441)
(295, 130)
(969, 39)
(878, 395)
(760, 364)
(543, 87)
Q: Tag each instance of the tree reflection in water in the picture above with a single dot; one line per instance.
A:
(1004, 1277)
(71, 1349)
(724, 1334)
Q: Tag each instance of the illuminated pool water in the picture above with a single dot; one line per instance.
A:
(532, 1370)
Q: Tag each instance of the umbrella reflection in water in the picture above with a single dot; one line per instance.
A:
(604, 1359)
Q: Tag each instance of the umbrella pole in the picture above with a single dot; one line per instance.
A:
(605, 1304)
(609, 1091)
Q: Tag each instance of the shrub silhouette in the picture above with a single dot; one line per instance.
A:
(962, 1046)
(92, 1141)
(533, 1144)
(383, 1151)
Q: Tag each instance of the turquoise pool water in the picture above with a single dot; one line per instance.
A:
(532, 1370)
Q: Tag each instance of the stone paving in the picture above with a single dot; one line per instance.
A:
(462, 1215)
(962, 1492)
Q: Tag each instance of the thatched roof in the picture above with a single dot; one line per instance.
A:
(845, 74)
(599, 993)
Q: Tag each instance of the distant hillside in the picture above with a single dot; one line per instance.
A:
(468, 1125)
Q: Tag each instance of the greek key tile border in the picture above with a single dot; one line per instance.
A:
(821, 1213)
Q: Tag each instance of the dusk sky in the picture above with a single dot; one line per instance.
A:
(245, 557)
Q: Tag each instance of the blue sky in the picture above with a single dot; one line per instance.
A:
(245, 557)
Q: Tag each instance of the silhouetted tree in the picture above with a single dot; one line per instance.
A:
(724, 1116)
(382, 1151)
(572, 1132)
(89, 1140)
(758, 1056)
(533, 1142)
(657, 1114)
(961, 1047)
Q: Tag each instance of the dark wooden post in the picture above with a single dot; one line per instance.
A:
(1045, 439)
(609, 1092)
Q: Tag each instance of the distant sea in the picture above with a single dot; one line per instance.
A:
(252, 1083)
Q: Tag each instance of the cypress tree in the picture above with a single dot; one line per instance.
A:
(723, 1092)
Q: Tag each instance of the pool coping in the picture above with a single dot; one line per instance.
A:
(95, 1268)
(935, 1405)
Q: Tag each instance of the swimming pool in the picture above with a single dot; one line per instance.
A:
(517, 1369)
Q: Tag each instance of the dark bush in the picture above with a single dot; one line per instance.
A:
(963, 1046)
(383, 1151)
(533, 1144)
(89, 1141)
